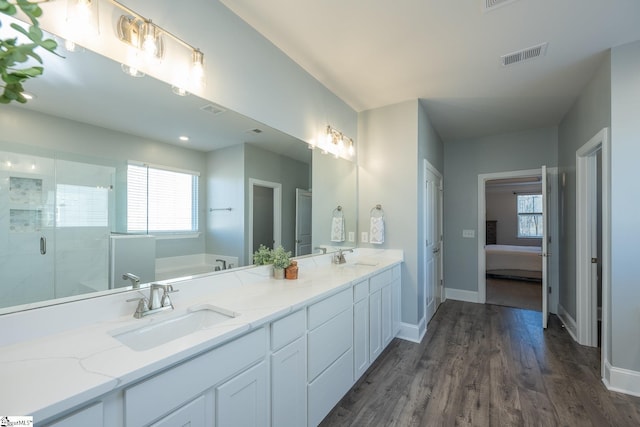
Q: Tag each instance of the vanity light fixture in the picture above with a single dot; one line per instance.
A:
(131, 70)
(179, 91)
(337, 143)
(82, 19)
(147, 37)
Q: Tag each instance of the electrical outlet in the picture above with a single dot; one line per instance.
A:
(468, 234)
(352, 236)
(364, 237)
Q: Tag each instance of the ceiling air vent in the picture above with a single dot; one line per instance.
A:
(213, 109)
(489, 5)
(524, 54)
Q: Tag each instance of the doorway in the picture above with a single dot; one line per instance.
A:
(548, 270)
(265, 215)
(592, 243)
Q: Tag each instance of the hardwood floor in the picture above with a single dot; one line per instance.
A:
(485, 365)
(514, 293)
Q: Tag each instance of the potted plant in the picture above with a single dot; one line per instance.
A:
(281, 260)
(262, 256)
(13, 53)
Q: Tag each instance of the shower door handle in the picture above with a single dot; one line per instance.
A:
(43, 245)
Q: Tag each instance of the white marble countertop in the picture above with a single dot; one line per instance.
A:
(49, 374)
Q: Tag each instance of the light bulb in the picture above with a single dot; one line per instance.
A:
(351, 150)
(197, 70)
(149, 45)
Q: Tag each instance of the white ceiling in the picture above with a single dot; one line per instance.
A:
(373, 53)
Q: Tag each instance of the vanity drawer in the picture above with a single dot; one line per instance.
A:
(164, 392)
(380, 280)
(326, 309)
(360, 291)
(328, 342)
(286, 330)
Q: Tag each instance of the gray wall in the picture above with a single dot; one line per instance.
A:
(334, 183)
(502, 206)
(67, 139)
(267, 166)
(625, 205)
(590, 113)
(394, 141)
(225, 189)
(463, 161)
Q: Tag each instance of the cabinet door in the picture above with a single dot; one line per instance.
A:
(91, 416)
(289, 385)
(387, 320)
(192, 414)
(375, 325)
(396, 307)
(242, 401)
(360, 337)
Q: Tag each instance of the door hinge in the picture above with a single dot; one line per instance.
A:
(549, 289)
(594, 260)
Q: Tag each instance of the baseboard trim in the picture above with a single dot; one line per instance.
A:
(461, 295)
(413, 333)
(569, 322)
(621, 380)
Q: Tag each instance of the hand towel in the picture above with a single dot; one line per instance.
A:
(337, 229)
(376, 230)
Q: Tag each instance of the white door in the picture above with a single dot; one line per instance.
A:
(303, 222)
(432, 238)
(545, 249)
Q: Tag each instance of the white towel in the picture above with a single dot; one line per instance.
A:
(376, 230)
(337, 229)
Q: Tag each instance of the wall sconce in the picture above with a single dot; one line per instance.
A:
(146, 38)
(82, 19)
(335, 142)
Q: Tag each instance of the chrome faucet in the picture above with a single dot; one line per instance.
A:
(224, 263)
(155, 302)
(339, 258)
(135, 280)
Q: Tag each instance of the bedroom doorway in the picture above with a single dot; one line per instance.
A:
(511, 207)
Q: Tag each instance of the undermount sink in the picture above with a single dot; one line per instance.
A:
(359, 264)
(157, 333)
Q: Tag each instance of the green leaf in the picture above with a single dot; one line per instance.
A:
(49, 44)
(35, 33)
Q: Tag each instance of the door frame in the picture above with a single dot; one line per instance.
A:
(553, 230)
(585, 190)
(440, 294)
(277, 214)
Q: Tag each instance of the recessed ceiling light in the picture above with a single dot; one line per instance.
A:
(184, 138)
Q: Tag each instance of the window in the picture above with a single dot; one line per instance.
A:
(161, 200)
(529, 215)
(82, 206)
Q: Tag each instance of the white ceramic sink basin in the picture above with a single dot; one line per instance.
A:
(157, 333)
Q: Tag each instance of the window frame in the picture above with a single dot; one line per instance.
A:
(519, 214)
(195, 203)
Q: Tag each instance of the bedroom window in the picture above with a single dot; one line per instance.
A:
(161, 200)
(529, 216)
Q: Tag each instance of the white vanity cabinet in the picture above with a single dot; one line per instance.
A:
(330, 353)
(384, 309)
(289, 370)
(238, 366)
(90, 416)
(242, 401)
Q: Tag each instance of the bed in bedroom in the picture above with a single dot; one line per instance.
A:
(519, 262)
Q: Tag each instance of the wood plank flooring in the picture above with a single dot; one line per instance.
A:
(485, 365)
(514, 293)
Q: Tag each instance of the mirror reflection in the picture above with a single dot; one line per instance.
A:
(101, 192)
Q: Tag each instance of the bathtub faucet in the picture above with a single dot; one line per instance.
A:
(224, 263)
(135, 280)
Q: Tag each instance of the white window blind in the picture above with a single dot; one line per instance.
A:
(161, 200)
(81, 206)
(529, 215)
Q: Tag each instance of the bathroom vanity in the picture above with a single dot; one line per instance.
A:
(240, 348)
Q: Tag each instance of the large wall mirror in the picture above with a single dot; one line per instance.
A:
(96, 145)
